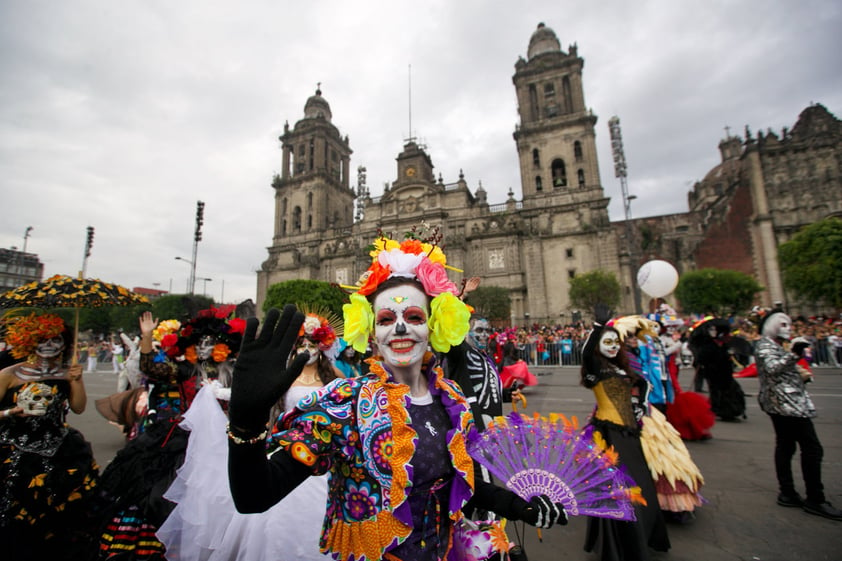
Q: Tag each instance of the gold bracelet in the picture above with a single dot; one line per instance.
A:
(253, 440)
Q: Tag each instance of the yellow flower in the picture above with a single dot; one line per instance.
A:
(434, 253)
(449, 322)
(359, 321)
(383, 244)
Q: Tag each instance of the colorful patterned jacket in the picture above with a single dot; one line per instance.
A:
(360, 431)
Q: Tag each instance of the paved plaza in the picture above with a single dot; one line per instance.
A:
(740, 521)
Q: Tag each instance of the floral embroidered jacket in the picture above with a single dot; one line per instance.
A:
(360, 430)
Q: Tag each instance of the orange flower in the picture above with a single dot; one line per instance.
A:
(190, 354)
(220, 352)
(378, 273)
(412, 246)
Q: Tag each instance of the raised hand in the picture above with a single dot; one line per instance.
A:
(261, 375)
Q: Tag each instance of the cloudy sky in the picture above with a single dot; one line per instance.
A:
(121, 115)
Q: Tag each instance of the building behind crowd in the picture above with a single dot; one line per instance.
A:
(18, 268)
(765, 189)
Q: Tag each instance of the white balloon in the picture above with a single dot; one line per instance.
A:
(657, 278)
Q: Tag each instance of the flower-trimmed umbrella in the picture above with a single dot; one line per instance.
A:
(62, 291)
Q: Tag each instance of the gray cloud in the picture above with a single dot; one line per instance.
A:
(122, 116)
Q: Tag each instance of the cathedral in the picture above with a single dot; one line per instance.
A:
(764, 190)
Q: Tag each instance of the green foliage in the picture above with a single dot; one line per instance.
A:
(720, 292)
(310, 294)
(491, 302)
(596, 287)
(179, 306)
(811, 263)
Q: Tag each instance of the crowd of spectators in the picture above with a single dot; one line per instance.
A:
(543, 345)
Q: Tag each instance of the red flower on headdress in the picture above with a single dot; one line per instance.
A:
(237, 325)
(169, 340)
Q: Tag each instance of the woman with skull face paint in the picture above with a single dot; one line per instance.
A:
(48, 476)
(393, 440)
(620, 406)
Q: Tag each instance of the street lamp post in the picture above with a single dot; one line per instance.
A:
(205, 282)
(192, 268)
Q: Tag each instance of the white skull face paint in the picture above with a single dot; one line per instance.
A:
(51, 348)
(778, 326)
(480, 330)
(400, 325)
(609, 344)
(204, 349)
(307, 346)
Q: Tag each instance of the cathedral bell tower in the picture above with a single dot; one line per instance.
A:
(555, 138)
(312, 192)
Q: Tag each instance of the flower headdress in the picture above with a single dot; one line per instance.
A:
(24, 333)
(412, 258)
(321, 328)
(213, 322)
(167, 334)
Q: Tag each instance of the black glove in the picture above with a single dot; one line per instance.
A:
(601, 314)
(798, 348)
(543, 513)
(261, 375)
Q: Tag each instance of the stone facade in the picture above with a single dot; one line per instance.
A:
(764, 190)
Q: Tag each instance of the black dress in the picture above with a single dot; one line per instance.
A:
(727, 400)
(48, 479)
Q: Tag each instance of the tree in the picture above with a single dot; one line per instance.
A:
(597, 287)
(720, 292)
(310, 294)
(179, 306)
(491, 302)
(811, 263)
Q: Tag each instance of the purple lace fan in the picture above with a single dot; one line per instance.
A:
(535, 456)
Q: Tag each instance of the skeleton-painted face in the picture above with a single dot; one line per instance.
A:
(36, 398)
(778, 326)
(50, 348)
(307, 346)
(478, 335)
(400, 325)
(204, 349)
(609, 344)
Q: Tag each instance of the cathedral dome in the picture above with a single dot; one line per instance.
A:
(317, 106)
(543, 40)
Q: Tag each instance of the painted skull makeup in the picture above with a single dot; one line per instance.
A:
(204, 349)
(51, 348)
(609, 344)
(480, 330)
(400, 325)
(35, 399)
(308, 346)
(778, 326)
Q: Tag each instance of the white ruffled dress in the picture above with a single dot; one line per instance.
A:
(205, 526)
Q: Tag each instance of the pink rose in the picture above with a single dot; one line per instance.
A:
(434, 278)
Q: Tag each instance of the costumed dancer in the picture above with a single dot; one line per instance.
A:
(349, 360)
(708, 342)
(645, 356)
(48, 476)
(205, 524)
(783, 396)
(393, 440)
(136, 479)
(620, 406)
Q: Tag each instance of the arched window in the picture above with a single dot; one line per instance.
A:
(309, 221)
(296, 219)
(577, 151)
(309, 201)
(559, 173)
(284, 227)
(581, 175)
(536, 158)
(538, 184)
(284, 207)
(312, 157)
